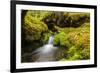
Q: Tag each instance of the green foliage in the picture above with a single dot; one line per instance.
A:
(85, 53)
(79, 39)
(46, 36)
(39, 14)
(33, 26)
(76, 56)
(72, 50)
(61, 39)
(74, 53)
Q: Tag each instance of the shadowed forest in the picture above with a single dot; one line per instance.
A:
(54, 36)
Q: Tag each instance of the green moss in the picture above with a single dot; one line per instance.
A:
(46, 36)
(79, 39)
(72, 50)
(33, 26)
(85, 53)
(56, 40)
(75, 53)
(76, 56)
(61, 39)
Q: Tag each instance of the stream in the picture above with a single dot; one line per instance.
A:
(47, 52)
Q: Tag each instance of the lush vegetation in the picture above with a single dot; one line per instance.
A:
(71, 32)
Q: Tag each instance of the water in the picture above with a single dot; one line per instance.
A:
(46, 52)
(51, 40)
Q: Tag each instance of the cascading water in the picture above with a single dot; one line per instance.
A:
(50, 39)
(46, 52)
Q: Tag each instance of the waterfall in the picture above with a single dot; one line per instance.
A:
(46, 52)
(50, 39)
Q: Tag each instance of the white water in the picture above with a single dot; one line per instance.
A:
(46, 52)
(51, 40)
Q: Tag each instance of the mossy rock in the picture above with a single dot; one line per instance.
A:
(33, 27)
(61, 39)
